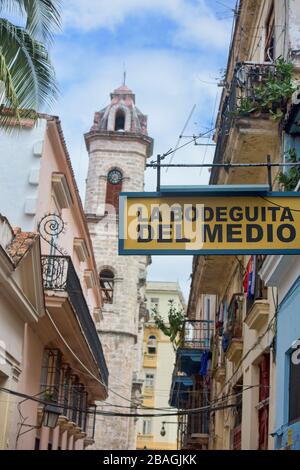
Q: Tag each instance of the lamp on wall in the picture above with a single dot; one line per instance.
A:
(163, 431)
(50, 416)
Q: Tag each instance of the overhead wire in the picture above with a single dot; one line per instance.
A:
(194, 411)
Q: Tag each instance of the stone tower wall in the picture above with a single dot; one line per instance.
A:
(121, 328)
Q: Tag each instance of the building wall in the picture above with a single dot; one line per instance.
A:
(283, 272)
(30, 383)
(246, 143)
(120, 329)
(287, 434)
(161, 365)
(11, 358)
(21, 153)
(32, 158)
(21, 303)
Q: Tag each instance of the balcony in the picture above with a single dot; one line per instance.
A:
(148, 392)
(150, 360)
(245, 136)
(233, 331)
(194, 431)
(180, 390)
(212, 267)
(257, 307)
(59, 276)
(145, 441)
(195, 342)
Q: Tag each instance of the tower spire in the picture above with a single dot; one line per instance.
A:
(124, 74)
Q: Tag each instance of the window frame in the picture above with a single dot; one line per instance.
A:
(152, 337)
(147, 426)
(150, 380)
(107, 292)
(270, 34)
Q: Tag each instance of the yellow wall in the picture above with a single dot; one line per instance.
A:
(161, 365)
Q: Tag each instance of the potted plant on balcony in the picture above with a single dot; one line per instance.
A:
(270, 96)
(288, 180)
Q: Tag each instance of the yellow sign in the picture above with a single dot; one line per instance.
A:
(209, 224)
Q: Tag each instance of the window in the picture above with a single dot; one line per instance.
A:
(61, 192)
(120, 121)
(113, 188)
(270, 35)
(264, 392)
(149, 381)
(107, 279)
(237, 412)
(151, 344)
(294, 392)
(154, 304)
(51, 373)
(147, 426)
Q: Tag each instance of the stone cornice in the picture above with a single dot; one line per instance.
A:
(124, 136)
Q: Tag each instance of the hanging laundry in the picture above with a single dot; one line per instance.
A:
(253, 276)
(249, 278)
(206, 357)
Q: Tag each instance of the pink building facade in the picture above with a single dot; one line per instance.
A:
(62, 361)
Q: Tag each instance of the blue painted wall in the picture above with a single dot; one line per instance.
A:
(288, 331)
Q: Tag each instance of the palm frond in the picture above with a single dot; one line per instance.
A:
(25, 64)
(7, 90)
(42, 16)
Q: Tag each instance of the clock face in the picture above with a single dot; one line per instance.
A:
(114, 176)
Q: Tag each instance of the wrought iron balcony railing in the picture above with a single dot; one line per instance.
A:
(59, 275)
(248, 76)
(194, 425)
(197, 334)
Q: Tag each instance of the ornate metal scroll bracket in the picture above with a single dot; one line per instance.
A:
(50, 227)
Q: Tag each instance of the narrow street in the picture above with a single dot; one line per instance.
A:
(150, 230)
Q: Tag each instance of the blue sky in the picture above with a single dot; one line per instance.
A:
(174, 52)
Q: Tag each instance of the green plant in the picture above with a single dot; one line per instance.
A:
(174, 327)
(27, 78)
(290, 178)
(271, 95)
(49, 396)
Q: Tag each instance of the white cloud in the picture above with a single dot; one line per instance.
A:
(196, 23)
(167, 83)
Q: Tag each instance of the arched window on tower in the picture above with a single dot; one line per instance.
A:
(113, 188)
(120, 120)
(107, 281)
(151, 345)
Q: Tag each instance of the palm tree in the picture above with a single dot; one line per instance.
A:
(27, 78)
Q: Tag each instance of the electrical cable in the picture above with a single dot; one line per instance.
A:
(169, 152)
(127, 415)
(212, 121)
(278, 205)
(83, 365)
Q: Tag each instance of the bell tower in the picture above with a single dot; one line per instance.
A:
(118, 147)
